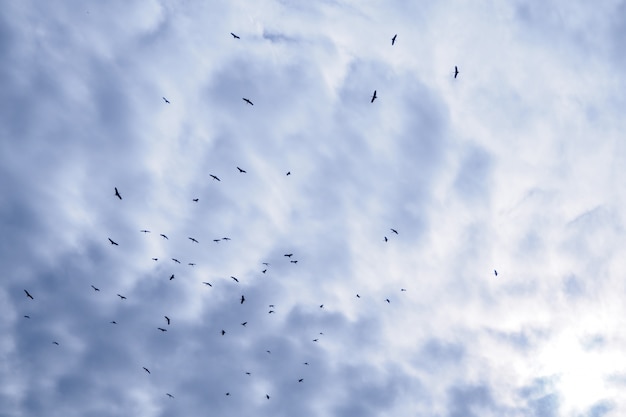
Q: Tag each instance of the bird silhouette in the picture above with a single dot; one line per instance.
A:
(146, 369)
(402, 289)
(162, 329)
(300, 380)
(191, 264)
(112, 242)
(192, 239)
(315, 340)
(225, 238)
(358, 296)
(216, 240)
(117, 194)
(321, 305)
(155, 259)
(306, 363)
(248, 101)
(168, 320)
(214, 177)
(55, 343)
(242, 299)
(386, 239)
(28, 295)
(266, 264)
(244, 323)
(288, 255)
(495, 272)
(456, 71)
(176, 260)
(172, 277)
(267, 396)
(121, 297)
(113, 322)
(294, 262)
(374, 97)
(393, 40)
(235, 36)
(387, 299)
(288, 172)
(394, 230)
(166, 100)
(248, 373)
(169, 395)
(164, 237)
(207, 283)
(223, 332)
(241, 170)
(235, 279)
(264, 271)
(27, 316)
(195, 200)
(95, 289)
(145, 231)
(270, 312)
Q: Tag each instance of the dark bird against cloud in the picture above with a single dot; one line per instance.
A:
(117, 194)
(28, 295)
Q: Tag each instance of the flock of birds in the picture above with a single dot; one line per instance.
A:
(266, 265)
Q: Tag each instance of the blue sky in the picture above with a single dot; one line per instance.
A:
(516, 166)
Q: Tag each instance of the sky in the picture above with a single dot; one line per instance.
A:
(514, 166)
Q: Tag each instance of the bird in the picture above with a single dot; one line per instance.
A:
(145, 231)
(288, 172)
(164, 237)
(315, 340)
(176, 260)
(228, 393)
(306, 363)
(207, 283)
(27, 316)
(121, 297)
(248, 373)
(193, 240)
(374, 97)
(270, 312)
(271, 306)
(169, 395)
(155, 259)
(113, 322)
(267, 396)
(117, 194)
(166, 100)
(387, 299)
(269, 351)
(386, 239)
(95, 289)
(266, 264)
(236, 280)
(191, 264)
(223, 332)
(172, 277)
(242, 299)
(294, 262)
(456, 71)
(235, 36)
(225, 238)
(402, 289)
(112, 242)
(244, 323)
(393, 40)
(289, 255)
(168, 320)
(195, 200)
(495, 272)
(264, 271)
(162, 329)
(28, 295)
(248, 101)
(216, 240)
(358, 296)
(394, 230)
(214, 177)
(301, 379)
(55, 343)
(243, 171)
(146, 369)
(321, 305)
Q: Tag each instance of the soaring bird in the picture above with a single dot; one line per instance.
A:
(146, 369)
(172, 277)
(386, 239)
(374, 97)
(242, 299)
(155, 259)
(216, 240)
(264, 271)
(117, 194)
(402, 289)
(495, 272)
(244, 323)
(235, 36)
(358, 296)
(166, 100)
(394, 230)
(266, 264)
(162, 329)
(168, 320)
(236, 280)
(270, 312)
(95, 289)
(145, 231)
(113, 322)
(306, 363)
(243, 171)
(289, 255)
(207, 283)
(195, 200)
(192, 239)
(321, 305)
(176, 260)
(28, 295)
(191, 264)
(121, 297)
(169, 395)
(271, 306)
(456, 71)
(393, 40)
(301, 379)
(248, 373)
(288, 172)
(267, 396)
(26, 316)
(248, 101)
(112, 242)
(164, 237)
(214, 177)
(223, 332)
(387, 299)
(55, 343)
(315, 340)
(225, 238)
(294, 262)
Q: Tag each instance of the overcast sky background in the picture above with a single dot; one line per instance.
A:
(517, 165)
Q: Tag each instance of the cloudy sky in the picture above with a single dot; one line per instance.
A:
(517, 165)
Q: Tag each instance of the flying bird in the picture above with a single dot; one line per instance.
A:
(387, 299)
(322, 306)
(112, 242)
(264, 271)
(121, 297)
(270, 312)
(166, 100)
(244, 323)
(456, 71)
(176, 260)
(374, 97)
(55, 343)
(193, 240)
(289, 255)
(242, 299)
(248, 101)
(248, 373)
(155, 259)
(236, 280)
(394, 230)
(95, 289)
(402, 289)
(386, 239)
(162, 329)
(235, 36)
(223, 332)
(315, 340)
(294, 262)
(195, 200)
(243, 171)
(172, 277)
(495, 272)
(358, 296)
(28, 295)
(207, 283)
(145, 231)
(117, 194)
(146, 369)
(216, 240)
(266, 264)
(169, 395)
(164, 237)
(306, 363)
(168, 320)
(225, 238)
(26, 316)
(267, 396)
(214, 177)
(300, 380)
(288, 172)
(393, 40)
(113, 322)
